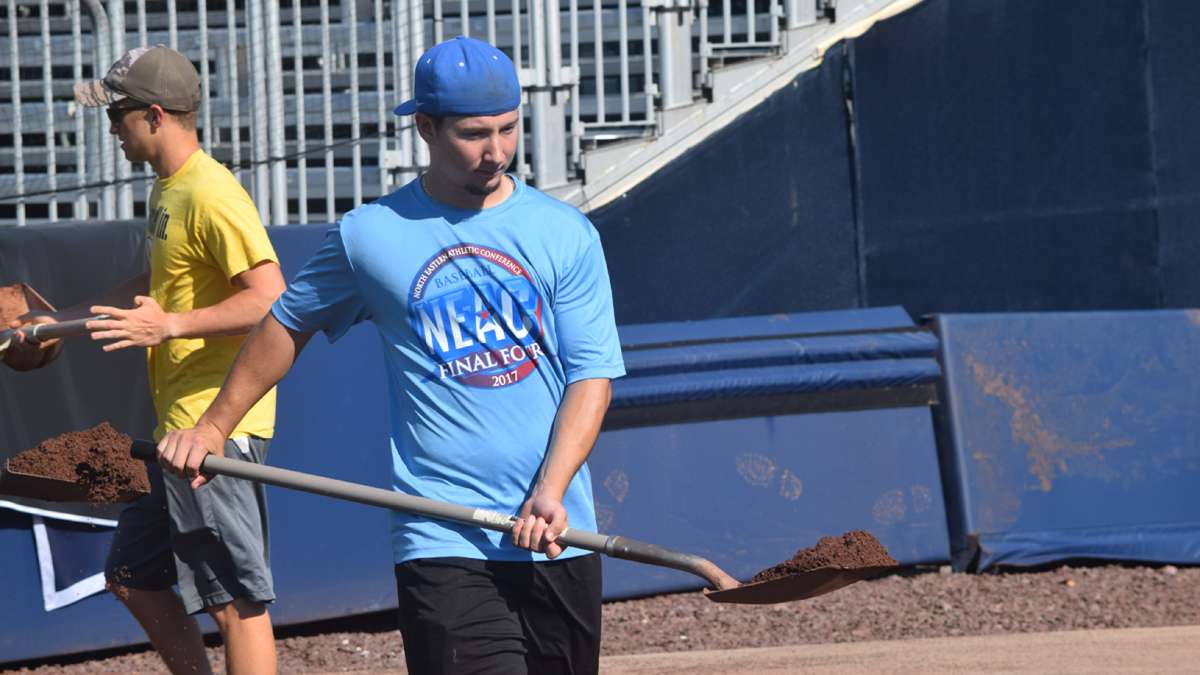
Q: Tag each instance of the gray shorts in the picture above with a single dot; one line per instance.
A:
(211, 541)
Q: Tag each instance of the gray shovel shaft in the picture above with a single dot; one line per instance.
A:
(615, 546)
(48, 331)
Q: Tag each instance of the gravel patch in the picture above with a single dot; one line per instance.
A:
(900, 606)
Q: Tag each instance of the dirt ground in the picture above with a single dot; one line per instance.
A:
(898, 607)
(1171, 650)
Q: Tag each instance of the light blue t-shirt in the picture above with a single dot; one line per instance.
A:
(486, 317)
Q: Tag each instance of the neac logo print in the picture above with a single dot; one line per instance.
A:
(479, 315)
(156, 223)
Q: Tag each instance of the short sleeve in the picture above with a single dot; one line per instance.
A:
(583, 310)
(325, 295)
(234, 237)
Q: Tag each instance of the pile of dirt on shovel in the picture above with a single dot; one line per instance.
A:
(97, 459)
(852, 550)
(12, 304)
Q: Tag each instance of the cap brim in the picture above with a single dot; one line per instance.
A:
(407, 108)
(94, 94)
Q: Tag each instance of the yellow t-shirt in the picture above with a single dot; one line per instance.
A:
(204, 230)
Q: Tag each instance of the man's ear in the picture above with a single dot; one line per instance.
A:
(157, 114)
(425, 127)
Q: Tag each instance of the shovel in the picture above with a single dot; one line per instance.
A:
(724, 587)
(49, 489)
(47, 331)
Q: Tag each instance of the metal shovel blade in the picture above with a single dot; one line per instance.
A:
(799, 586)
(46, 488)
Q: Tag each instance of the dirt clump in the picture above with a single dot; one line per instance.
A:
(96, 459)
(852, 550)
(17, 300)
(12, 303)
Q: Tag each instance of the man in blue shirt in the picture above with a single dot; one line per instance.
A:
(495, 311)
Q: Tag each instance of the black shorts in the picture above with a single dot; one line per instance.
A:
(459, 615)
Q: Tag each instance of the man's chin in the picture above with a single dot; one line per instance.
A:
(484, 189)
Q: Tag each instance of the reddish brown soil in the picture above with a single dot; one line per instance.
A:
(16, 300)
(898, 606)
(97, 459)
(850, 551)
(12, 303)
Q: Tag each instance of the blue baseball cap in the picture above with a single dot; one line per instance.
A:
(463, 77)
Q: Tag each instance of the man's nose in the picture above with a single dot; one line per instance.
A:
(494, 150)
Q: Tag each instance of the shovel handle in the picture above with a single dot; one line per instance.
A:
(39, 332)
(611, 545)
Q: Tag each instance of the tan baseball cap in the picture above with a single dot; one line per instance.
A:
(157, 75)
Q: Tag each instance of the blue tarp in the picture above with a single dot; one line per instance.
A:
(1071, 435)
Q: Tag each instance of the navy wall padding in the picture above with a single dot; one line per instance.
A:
(1175, 86)
(26, 630)
(1071, 435)
(1004, 157)
(779, 352)
(961, 156)
(708, 385)
(671, 333)
(756, 219)
(749, 493)
(79, 550)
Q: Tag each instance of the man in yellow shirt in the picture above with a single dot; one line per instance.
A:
(213, 275)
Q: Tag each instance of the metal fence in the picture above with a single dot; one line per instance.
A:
(297, 94)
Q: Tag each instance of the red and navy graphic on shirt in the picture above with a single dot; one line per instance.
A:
(479, 315)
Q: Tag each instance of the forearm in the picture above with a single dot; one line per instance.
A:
(236, 315)
(576, 428)
(266, 356)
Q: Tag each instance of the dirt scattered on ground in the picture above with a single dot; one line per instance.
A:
(96, 459)
(852, 550)
(904, 605)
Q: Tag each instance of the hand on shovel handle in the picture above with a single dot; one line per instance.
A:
(43, 329)
(34, 345)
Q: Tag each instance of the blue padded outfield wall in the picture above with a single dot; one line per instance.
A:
(746, 492)
(1071, 435)
(1015, 155)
